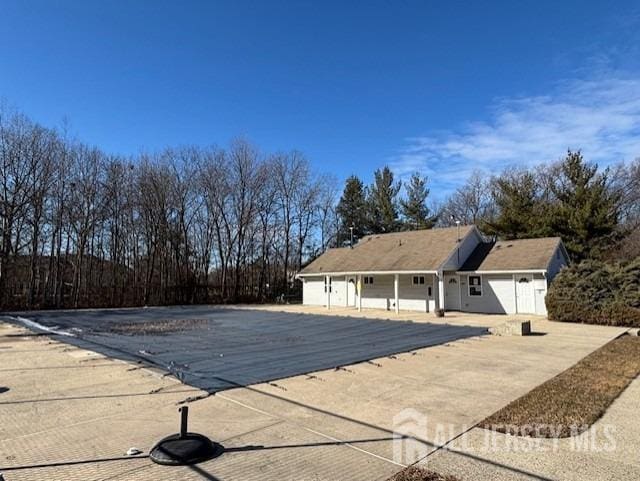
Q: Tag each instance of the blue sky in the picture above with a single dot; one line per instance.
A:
(439, 87)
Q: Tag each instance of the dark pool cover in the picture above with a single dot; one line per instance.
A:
(216, 348)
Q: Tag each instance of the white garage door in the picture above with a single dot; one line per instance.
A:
(500, 294)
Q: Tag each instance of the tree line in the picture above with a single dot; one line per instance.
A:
(595, 211)
(79, 227)
(378, 209)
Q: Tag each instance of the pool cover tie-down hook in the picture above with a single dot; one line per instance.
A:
(185, 448)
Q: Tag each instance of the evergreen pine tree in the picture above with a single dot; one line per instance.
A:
(414, 208)
(586, 210)
(383, 202)
(352, 210)
(521, 208)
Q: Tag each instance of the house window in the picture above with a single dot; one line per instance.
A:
(475, 286)
(523, 280)
(418, 280)
(327, 285)
(368, 279)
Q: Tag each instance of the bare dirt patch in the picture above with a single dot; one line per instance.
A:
(417, 474)
(571, 402)
(157, 327)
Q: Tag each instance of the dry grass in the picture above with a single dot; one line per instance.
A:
(417, 474)
(156, 327)
(571, 402)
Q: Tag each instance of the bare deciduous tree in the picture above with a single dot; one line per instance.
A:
(470, 204)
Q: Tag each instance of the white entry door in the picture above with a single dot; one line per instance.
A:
(525, 300)
(452, 293)
(351, 291)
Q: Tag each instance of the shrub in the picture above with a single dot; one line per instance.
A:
(596, 292)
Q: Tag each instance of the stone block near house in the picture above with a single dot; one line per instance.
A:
(512, 328)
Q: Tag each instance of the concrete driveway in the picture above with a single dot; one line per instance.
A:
(71, 414)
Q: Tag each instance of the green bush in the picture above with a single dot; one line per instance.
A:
(595, 292)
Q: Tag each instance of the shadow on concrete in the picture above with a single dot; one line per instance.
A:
(72, 463)
(205, 475)
(242, 449)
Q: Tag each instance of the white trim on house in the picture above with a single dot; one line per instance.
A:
(511, 271)
(365, 273)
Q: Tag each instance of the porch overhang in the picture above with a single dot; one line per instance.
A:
(364, 273)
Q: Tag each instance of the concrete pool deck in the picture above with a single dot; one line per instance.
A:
(70, 414)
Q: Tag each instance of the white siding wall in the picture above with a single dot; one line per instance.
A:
(415, 298)
(540, 289)
(380, 295)
(498, 294)
(313, 291)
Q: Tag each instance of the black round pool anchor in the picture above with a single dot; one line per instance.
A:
(185, 447)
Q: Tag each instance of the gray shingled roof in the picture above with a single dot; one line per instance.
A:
(417, 251)
(513, 255)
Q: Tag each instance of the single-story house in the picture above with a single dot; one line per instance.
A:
(455, 269)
